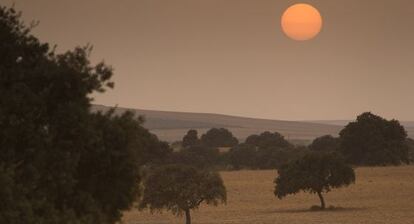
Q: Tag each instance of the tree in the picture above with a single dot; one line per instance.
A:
(198, 156)
(180, 188)
(219, 137)
(60, 162)
(373, 140)
(410, 143)
(191, 139)
(109, 172)
(273, 158)
(268, 140)
(243, 156)
(314, 173)
(325, 143)
(272, 149)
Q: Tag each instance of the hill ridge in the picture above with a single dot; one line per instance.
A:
(172, 125)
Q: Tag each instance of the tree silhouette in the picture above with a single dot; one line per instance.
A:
(198, 156)
(219, 137)
(191, 139)
(373, 140)
(59, 162)
(410, 143)
(314, 173)
(325, 143)
(268, 140)
(180, 188)
(243, 156)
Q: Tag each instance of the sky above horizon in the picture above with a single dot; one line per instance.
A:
(231, 57)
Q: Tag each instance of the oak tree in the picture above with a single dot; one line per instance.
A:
(59, 161)
(315, 173)
(373, 140)
(181, 188)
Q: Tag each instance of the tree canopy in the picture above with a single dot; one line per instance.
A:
(191, 139)
(219, 137)
(243, 156)
(326, 143)
(373, 140)
(59, 162)
(268, 140)
(198, 156)
(180, 188)
(265, 151)
(410, 143)
(314, 173)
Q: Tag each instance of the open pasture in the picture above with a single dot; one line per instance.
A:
(380, 195)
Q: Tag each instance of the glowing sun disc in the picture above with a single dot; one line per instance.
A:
(301, 22)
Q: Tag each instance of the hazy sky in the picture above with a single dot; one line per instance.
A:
(230, 56)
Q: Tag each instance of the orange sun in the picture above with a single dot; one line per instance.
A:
(301, 22)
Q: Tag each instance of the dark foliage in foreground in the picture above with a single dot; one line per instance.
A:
(410, 144)
(60, 163)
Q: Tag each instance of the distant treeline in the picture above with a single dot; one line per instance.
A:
(370, 140)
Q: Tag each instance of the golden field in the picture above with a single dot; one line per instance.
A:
(380, 195)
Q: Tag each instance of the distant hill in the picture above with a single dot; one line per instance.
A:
(172, 126)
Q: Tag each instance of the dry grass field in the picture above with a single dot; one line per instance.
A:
(381, 195)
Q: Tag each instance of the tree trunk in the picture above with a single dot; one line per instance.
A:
(187, 216)
(322, 200)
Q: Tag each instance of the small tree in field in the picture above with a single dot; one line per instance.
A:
(315, 173)
(180, 188)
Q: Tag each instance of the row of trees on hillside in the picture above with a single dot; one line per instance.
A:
(264, 151)
(370, 140)
(213, 138)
